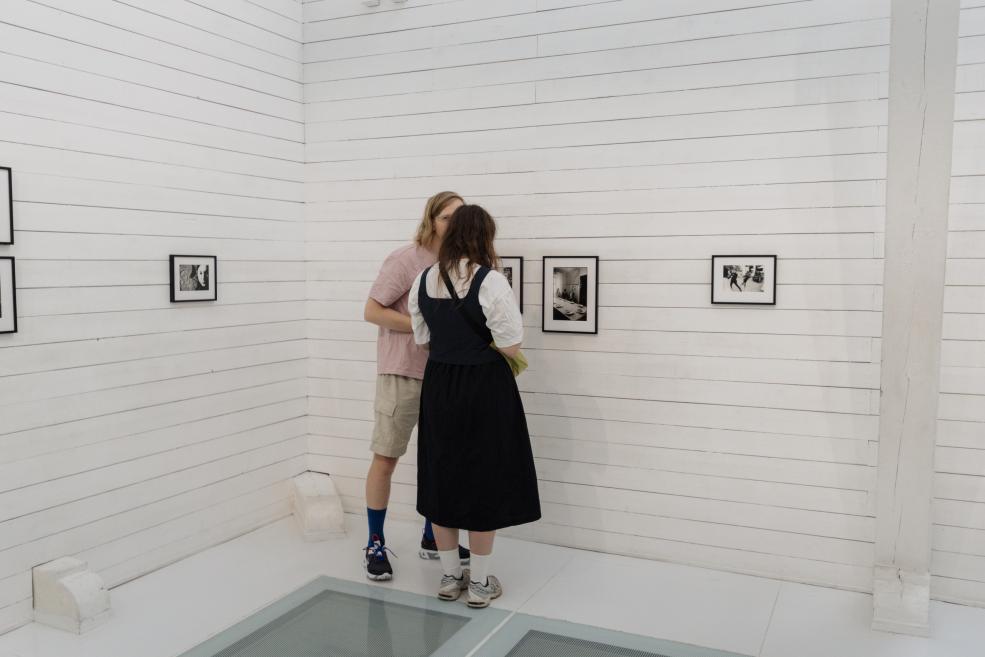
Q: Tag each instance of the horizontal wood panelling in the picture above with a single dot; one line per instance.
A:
(135, 431)
(652, 135)
(958, 562)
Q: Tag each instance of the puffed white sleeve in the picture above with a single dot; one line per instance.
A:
(502, 312)
(422, 334)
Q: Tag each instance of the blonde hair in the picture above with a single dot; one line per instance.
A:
(437, 203)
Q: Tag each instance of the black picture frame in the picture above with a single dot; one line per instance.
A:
(552, 325)
(13, 297)
(8, 224)
(213, 281)
(716, 263)
(519, 280)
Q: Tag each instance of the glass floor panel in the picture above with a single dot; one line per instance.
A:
(338, 618)
(542, 644)
(533, 636)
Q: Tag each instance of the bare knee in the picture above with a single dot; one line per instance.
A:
(384, 465)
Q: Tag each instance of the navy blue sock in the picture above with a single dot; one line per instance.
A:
(376, 519)
(428, 530)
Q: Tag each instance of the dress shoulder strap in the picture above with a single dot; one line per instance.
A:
(422, 288)
(480, 275)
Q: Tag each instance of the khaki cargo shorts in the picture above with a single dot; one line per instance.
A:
(398, 402)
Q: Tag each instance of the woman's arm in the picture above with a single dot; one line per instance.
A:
(503, 316)
(376, 313)
(510, 351)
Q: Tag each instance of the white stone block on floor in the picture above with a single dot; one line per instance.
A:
(69, 596)
(317, 507)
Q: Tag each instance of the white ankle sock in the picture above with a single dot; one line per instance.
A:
(450, 562)
(479, 568)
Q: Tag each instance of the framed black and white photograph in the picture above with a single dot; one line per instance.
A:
(741, 279)
(6, 206)
(571, 294)
(512, 269)
(8, 296)
(194, 278)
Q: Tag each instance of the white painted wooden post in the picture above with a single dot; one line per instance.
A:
(921, 115)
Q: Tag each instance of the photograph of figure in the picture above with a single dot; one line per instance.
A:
(570, 294)
(512, 268)
(6, 206)
(8, 296)
(743, 280)
(194, 278)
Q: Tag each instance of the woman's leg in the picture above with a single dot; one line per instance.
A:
(446, 538)
(453, 580)
(481, 544)
(483, 587)
(447, 542)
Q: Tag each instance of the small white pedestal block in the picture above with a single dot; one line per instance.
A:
(317, 507)
(901, 601)
(69, 596)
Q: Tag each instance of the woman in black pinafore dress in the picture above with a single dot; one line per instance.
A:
(475, 468)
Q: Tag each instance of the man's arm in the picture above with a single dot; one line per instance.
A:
(376, 313)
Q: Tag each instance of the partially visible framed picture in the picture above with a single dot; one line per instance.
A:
(571, 294)
(6, 206)
(512, 269)
(194, 278)
(8, 296)
(743, 279)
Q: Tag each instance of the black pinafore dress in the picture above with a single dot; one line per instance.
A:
(475, 468)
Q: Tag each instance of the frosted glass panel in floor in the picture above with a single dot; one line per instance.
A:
(336, 624)
(333, 618)
(534, 636)
(542, 644)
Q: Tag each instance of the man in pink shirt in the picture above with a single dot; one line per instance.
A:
(400, 370)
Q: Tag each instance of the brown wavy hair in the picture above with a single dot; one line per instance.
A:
(437, 203)
(471, 233)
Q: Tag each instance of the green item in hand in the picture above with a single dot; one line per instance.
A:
(517, 364)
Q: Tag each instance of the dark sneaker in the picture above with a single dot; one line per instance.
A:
(376, 562)
(429, 550)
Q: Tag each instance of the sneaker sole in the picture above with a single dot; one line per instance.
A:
(449, 597)
(376, 578)
(482, 604)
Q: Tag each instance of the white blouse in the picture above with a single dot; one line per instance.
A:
(495, 296)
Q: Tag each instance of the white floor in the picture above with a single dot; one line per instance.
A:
(170, 611)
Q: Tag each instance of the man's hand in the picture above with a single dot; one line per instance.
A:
(376, 313)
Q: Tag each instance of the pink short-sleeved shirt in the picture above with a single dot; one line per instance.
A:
(396, 352)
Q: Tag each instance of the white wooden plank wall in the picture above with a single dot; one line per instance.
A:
(958, 566)
(134, 432)
(652, 134)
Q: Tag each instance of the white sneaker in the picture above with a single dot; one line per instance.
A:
(481, 594)
(452, 587)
